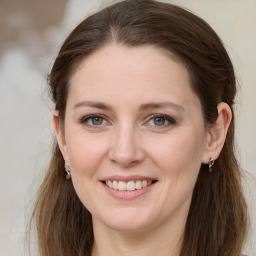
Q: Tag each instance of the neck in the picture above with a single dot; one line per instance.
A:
(162, 241)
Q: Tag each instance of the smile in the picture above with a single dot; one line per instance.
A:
(128, 186)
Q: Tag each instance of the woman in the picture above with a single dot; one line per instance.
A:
(144, 163)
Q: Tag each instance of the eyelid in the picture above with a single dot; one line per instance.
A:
(166, 117)
(171, 121)
(84, 119)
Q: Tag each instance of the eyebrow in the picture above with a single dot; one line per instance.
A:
(161, 105)
(93, 104)
(152, 105)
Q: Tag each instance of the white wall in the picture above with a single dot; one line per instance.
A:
(25, 111)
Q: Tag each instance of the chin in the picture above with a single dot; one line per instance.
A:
(128, 226)
(128, 220)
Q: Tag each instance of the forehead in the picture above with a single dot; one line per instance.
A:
(139, 60)
(131, 73)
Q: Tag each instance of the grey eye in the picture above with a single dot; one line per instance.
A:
(93, 120)
(97, 120)
(159, 121)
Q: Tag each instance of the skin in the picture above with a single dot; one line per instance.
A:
(129, 141)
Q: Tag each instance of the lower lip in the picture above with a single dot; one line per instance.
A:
(126, 194)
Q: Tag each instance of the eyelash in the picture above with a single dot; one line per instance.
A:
(85, 119)
(170, 120)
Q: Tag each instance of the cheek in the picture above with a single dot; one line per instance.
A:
(180, 149)
(179, 155)
(179, 160)
(85, 153)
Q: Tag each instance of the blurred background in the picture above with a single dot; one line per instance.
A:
(31, 33)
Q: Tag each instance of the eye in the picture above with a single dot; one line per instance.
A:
(161, 121)
(94, 120)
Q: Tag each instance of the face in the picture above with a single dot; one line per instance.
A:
(134, 137)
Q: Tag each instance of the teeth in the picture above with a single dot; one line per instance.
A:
(122, 185)
(144, 183)
(109, 183)
(130, 185)
(115, 184)
(138, 184)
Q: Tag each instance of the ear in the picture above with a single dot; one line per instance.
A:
(216, 134)
(59, 134)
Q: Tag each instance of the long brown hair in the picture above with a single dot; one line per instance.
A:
(217, 219)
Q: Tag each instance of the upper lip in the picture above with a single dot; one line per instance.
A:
(127, 178)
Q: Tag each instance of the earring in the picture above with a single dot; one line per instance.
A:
(211, 163)
(67, 170)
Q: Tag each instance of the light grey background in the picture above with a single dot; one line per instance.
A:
(30, 35)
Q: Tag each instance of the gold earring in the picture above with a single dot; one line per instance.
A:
(67, 170)
(211, 163)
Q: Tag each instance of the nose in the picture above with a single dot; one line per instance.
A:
(126, 149)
